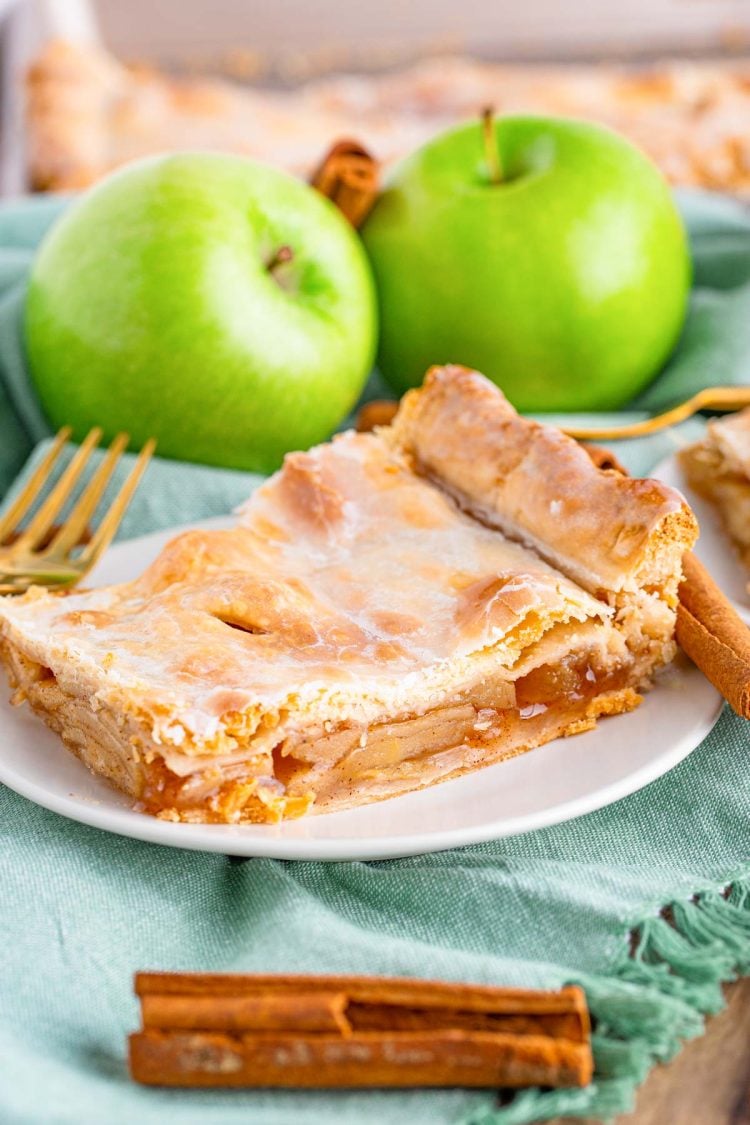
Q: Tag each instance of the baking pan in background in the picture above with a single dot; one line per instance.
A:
(294, 39)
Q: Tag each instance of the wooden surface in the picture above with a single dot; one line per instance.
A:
(708, 1083)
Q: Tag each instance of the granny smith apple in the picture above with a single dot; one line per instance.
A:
(216, 303)
(548, 253)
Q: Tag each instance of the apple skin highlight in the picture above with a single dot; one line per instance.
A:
(566, 282)
(220, 305)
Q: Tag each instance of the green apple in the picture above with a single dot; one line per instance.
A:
(548, 253)
(218, 304)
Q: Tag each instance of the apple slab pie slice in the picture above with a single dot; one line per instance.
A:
(390, 611)
(718, 468)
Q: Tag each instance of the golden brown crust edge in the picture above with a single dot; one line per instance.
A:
(607, 532)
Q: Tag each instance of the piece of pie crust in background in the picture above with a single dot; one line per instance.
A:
(391, 610)
(88, 113)
(718, 468)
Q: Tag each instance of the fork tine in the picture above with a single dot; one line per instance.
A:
(105, 532)
(42, 521)
(69, 534)
(29, 493)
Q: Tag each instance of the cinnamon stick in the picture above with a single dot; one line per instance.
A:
(406, 992)
(242, 1030)
(349, 176)
(605, 459)
(322, 1011)
(374, 1059)
(713, 635)
(379, 412)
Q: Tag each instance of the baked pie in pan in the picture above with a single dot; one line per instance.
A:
(391, 610)
(88, 113)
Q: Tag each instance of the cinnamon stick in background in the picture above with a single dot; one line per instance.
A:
(349, 176)
(709, 630)
(379, 412)
(236, 1030)
(604, 458)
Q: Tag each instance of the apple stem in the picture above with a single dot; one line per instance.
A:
(282, 255)
(491, 151)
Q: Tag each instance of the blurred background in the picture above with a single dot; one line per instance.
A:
(88, 85)
(180, 32)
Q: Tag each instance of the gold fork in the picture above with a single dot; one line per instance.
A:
(41, 555)
(710, 398)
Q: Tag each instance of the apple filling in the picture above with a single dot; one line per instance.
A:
(332, 765)
(496, 718)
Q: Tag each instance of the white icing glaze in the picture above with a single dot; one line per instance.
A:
(368, 592)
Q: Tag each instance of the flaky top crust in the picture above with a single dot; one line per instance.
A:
(354, 586)
(536, 484)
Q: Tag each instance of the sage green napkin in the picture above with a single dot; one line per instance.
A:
(81, 910)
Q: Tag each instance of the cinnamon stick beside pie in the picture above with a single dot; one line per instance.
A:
(392, 609)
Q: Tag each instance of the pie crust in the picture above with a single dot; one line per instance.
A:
(88, 113)
(391, 610)
(718, 468)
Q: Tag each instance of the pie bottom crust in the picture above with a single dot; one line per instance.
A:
(342, 768)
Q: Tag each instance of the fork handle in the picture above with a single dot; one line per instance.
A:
(710, 398)
(723, 398)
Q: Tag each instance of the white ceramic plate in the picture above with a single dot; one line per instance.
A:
(713, 548)
(559, 781)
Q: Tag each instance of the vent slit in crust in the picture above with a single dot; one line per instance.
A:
(244, 627)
